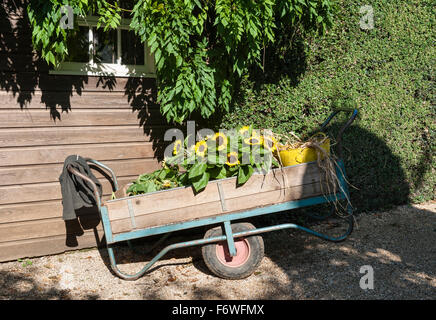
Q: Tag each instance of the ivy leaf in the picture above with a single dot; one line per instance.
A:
(50, 58)
(179, 60)
(177, 34)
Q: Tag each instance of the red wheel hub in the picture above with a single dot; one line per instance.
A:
(242, 253)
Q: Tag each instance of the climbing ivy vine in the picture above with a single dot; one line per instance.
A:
(202, 48)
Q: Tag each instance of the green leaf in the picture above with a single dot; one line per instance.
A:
(163, 174)
(157, 55)
(183, 179)
(131, 189)
(179, 61)
(177, 34)
(244, 174)
(145, 187)
(197, 170)
(219, 172)
(50, 58)
(201, 183)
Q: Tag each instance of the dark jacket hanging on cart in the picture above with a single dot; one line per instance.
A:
(77, 192)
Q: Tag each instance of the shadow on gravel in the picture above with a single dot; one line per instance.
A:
(397, 245)
(19, 286)
(144, 250)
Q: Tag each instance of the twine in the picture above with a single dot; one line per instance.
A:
(325, 161)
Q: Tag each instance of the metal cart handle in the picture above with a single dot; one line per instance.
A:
(101, 165)
(94, 186)
(347, 124)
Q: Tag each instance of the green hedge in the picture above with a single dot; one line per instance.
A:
(387, 73)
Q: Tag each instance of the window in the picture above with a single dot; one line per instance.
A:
(112, 53)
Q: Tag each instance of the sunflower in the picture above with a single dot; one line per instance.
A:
(253, 140)
(232, 159)
(244, 130)
(220, 140)
(270, 143)
(166, 184)
(201, 148)
(177, 147)
(191, 148)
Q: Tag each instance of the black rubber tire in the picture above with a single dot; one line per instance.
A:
(250, 265)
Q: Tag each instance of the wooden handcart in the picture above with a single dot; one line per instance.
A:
(230, 250)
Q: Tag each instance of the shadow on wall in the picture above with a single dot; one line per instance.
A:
(142, 96)
(25, 77)
(23, 73)
(376, 175)
(16, 53)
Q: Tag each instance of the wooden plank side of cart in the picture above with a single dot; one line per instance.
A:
(219, 197)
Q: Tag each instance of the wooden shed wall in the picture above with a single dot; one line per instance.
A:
(43, 119)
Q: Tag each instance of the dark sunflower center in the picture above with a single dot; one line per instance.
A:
(233, 159)
(220, 140)
(254, 140)
(201, 148)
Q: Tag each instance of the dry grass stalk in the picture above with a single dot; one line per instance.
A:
(326, 161)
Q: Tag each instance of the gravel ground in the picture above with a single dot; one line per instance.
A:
(398, 244)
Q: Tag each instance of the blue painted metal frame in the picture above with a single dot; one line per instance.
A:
(226, 219)
(343, 194)
(229, 238)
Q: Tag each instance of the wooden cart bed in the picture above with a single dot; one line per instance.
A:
(219, 197)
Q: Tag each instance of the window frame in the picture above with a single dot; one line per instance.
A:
(117, 69)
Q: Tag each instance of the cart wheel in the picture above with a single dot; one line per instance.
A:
(249, 253)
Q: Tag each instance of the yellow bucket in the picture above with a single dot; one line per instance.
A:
(295, 156)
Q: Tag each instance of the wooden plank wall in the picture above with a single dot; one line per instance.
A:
(43, 119)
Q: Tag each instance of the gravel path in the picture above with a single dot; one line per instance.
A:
(398, 244)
